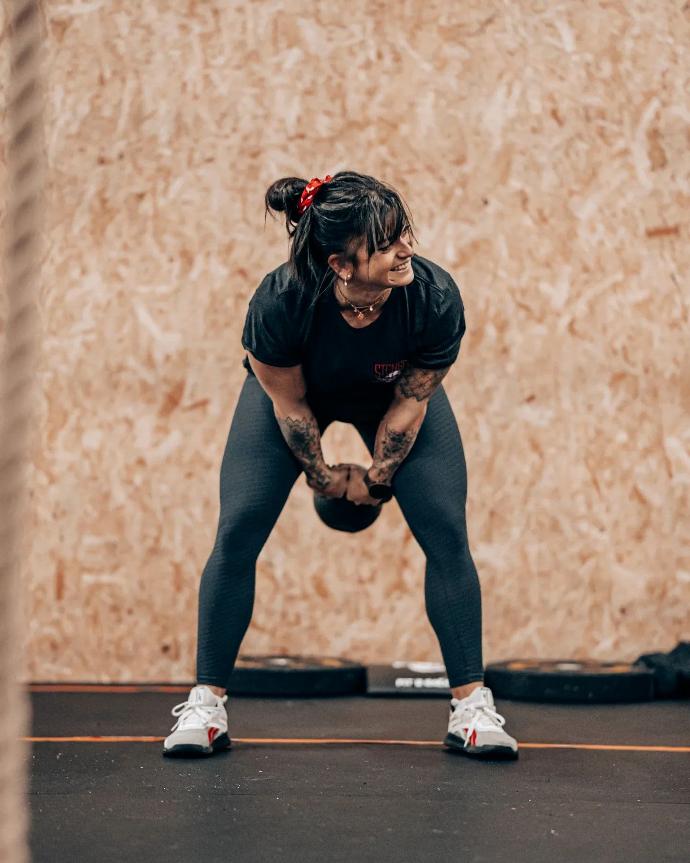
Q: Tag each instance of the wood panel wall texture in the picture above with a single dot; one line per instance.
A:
(544, 151)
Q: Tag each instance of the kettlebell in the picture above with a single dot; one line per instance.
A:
(339, 513)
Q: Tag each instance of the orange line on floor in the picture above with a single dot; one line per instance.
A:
(355, 740)
(107, 687)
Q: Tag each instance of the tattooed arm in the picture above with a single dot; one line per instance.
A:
(400, 424)
(287, 390)
(301, 432)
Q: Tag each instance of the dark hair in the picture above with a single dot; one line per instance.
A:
(346, 209)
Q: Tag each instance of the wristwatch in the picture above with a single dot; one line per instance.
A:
(377, 489)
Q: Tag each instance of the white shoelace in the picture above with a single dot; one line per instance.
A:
(192, 715)
(484, 718)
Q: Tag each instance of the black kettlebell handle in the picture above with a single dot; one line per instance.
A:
(344, 495)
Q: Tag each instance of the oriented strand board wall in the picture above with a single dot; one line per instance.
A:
(544, 150)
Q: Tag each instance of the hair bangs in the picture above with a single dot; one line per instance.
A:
(385, 219)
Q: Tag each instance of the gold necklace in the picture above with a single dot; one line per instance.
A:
(360, 311)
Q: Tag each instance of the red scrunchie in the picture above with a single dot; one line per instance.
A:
(309, 192)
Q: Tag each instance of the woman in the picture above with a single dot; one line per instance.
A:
(353, 327)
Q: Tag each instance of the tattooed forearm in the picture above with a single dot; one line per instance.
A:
(395, 437)
(400, 425)
(301, 433)
(418, 384)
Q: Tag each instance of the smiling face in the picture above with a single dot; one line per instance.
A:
(390, 266)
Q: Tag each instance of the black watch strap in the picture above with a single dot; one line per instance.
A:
(378, 490)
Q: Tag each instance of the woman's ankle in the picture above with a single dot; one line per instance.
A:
(216, 690)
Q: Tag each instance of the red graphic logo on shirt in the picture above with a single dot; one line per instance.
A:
(388, 372)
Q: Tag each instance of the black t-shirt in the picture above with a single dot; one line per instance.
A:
(350, 373)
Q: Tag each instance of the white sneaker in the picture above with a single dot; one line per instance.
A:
(202, 727)
(475, 728)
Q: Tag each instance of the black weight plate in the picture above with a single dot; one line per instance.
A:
(279, 674)
(569, 681)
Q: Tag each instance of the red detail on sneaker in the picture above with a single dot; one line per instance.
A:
(473, 738)
(212, 733)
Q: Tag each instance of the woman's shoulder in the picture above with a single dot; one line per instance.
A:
(431, 275)
(279, 288)
(434, 288)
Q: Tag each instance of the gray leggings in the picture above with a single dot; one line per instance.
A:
(257, 473)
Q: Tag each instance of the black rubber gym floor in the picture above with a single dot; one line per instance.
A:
(600, 783)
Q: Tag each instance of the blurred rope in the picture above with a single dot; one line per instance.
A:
(23, 224)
